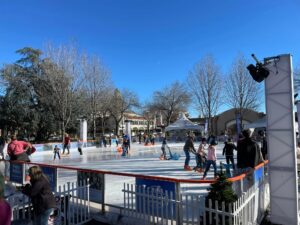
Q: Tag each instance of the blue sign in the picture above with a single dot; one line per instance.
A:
(258, 174)
(51, 173)
(17, 173)
(157, 190)
(96, 182)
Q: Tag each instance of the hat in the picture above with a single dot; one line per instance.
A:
(213, 142)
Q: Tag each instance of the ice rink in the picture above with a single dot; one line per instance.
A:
(143, 160)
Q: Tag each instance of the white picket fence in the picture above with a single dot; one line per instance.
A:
(72, 206)
(249, 209)
(154, 206)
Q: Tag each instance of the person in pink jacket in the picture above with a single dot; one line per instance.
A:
(211, 159)
(18, 150)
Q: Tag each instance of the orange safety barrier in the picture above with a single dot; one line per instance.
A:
(161, 178)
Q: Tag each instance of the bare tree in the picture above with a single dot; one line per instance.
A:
(120, 103)
(241, 90)
(204, 82)
(97, 85)
(64, 79)
(171, 101)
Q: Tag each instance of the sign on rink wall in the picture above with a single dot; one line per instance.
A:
(96, 182)
(51, 173)
(17, 173)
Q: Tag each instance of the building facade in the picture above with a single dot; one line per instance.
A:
(226, 122)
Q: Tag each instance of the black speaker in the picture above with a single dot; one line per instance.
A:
(257, 72)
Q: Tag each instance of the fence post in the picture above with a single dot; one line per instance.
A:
(178, 203)
(103, 196)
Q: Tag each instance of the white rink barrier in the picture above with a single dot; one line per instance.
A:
(72, 206)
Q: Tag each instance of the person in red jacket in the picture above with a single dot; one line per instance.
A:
(67, 143)
(19, 150)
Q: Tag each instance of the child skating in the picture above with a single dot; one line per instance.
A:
(79, 145)
(211, 159)
(56, 152)
(201, 156)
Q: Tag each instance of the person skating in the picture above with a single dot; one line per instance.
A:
(56, 151)
(163, 149)
(19, 150)
(188, 147)
(79, 146)
(67, 143)
(211, 159)
(228, 152)
(125, 145)
(200, 156)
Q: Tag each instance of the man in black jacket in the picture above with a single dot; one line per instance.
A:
(187, 148)
(248, 152)
(228, 151)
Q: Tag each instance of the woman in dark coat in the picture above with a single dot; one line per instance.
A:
(42, 198)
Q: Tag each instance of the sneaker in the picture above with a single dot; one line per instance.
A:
(188, 168)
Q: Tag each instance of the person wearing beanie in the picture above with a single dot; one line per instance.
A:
(211, 159)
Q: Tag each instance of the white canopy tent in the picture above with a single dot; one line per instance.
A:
(183, 123)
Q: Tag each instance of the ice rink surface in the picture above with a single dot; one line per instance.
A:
(143, 160)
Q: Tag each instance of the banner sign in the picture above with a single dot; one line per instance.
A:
(51, 173)
(96, 182)
(17, 173)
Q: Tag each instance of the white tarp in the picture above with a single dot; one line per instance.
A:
(183, 123)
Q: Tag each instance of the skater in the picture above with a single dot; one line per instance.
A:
(109, 141)
(200, 156)
(211, 159)
(125, 145)
(152, 139)
(18, 150)
(140, 138)
(228, 151)
(117, 141)
(104, 141)
(56, 152)
(79, 145)
(67, 143)
(188, 147)
(163, 156)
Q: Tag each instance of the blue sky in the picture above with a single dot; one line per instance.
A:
(149, 44)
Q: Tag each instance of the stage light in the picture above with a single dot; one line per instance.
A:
(257, 72)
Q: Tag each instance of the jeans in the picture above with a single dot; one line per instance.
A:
(125, 150)
(188, 157)
(42, 219)
(208, 163)
(230, 158)
(199, 161)
(56, 153)
(68, 148)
